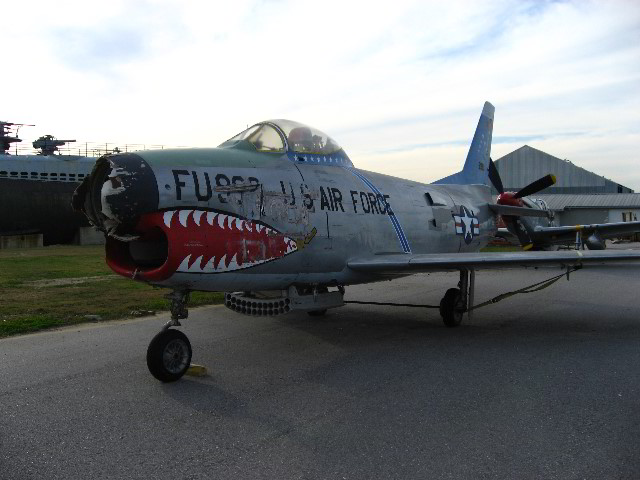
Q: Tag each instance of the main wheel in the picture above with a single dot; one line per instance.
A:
(452, 308)
(169, 355)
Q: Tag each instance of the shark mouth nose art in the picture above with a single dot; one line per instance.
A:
(195, 241)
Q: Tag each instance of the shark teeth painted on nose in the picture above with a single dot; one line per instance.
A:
(167, 217)
(291, 247)
(183, 215)
(184, 266)
(222, 242)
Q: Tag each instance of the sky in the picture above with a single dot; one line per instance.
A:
(399, 85)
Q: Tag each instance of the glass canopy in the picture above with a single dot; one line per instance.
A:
(269, 137)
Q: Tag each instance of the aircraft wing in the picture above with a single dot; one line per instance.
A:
(399, 264)
(568, 233)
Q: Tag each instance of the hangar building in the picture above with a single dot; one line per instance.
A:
(526, 164)
(595, 208)
(578, 197)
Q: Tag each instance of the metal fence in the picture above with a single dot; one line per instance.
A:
(88, 149)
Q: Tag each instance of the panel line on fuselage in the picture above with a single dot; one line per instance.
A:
(392, 216)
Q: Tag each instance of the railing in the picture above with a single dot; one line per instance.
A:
(87, 149)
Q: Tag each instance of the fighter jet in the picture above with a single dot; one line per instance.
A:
(280, 219)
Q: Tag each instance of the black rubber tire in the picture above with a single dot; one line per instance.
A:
(169, 355)
(451, 309)
(317, 313)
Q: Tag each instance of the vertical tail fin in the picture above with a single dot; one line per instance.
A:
(476, 167)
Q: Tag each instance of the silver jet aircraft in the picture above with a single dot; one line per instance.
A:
(279, 218)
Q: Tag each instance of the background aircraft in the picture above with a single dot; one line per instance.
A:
(280, 219)
(540, 234)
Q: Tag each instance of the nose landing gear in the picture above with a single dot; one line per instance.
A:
(169, 353)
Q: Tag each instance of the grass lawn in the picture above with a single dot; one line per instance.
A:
(501, 248)
(63, 285)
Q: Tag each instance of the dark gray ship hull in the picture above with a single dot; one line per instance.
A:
(32, 206)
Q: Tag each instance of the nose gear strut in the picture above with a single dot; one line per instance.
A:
(178, 308)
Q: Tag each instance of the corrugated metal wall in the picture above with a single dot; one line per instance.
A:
(583, 216)
(527, 164)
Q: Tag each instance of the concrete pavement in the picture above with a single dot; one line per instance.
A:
(545, 385)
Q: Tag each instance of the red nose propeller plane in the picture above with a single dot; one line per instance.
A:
(280, 219)
(532, 234)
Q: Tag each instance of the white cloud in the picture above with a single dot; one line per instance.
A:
(400, 88)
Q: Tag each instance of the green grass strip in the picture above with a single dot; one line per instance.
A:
(66, 285)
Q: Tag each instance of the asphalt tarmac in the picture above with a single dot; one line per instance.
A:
(543, 385)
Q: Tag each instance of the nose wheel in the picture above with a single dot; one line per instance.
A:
(169, 353)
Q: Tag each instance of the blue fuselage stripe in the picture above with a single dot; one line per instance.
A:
(394, 220)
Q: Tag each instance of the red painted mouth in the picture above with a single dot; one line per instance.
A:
(195, 241)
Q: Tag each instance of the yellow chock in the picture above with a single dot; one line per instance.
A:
(196, 370)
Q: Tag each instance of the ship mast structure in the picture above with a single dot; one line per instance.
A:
(7, 137)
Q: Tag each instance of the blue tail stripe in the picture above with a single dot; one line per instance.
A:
(394, 220)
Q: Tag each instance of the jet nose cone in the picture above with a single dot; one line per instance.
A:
(119, 190)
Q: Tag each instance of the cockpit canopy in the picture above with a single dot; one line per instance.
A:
(280, 136)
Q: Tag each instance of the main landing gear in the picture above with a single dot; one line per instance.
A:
(169, 353)
(457, 301)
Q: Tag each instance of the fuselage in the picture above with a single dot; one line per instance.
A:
(227, 219)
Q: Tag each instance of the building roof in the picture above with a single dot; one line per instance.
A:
(526, 164)
(597, 200)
